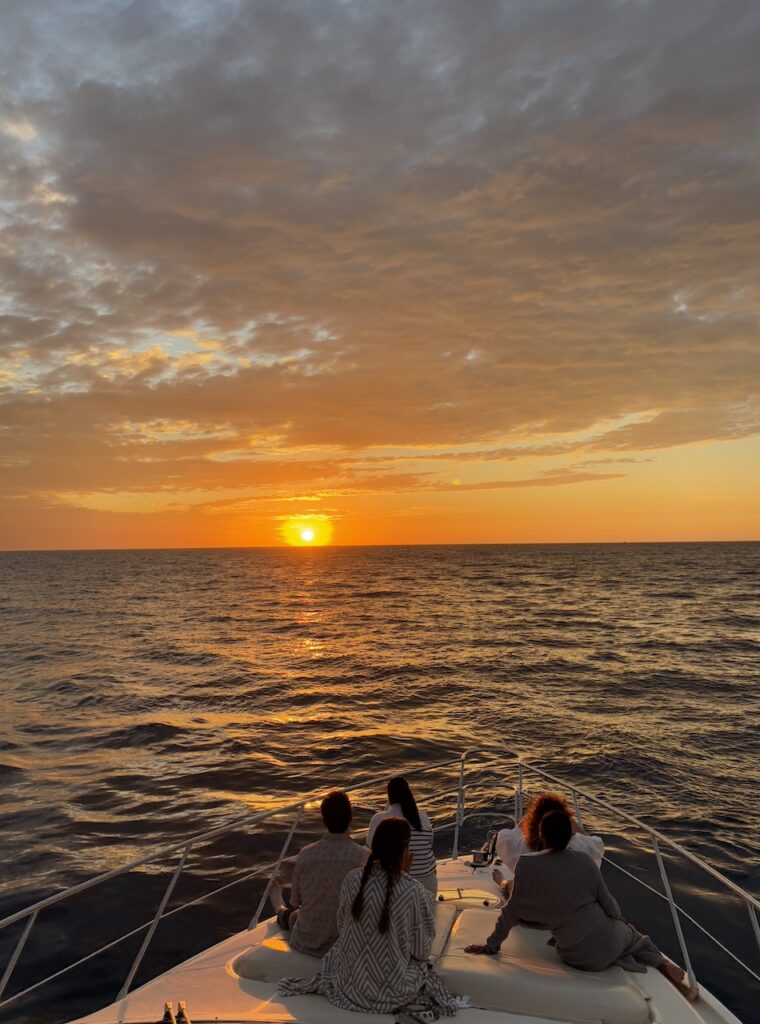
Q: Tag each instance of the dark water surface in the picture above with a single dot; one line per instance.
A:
(146, 695)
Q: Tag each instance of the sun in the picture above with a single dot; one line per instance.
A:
(309, 531)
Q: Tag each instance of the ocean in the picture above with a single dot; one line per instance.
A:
(147, 695)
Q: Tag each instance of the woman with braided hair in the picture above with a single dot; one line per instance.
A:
(386, 927)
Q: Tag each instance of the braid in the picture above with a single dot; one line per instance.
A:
(385, 916)
(358, 903)
(389, 845)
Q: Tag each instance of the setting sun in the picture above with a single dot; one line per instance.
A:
(307, 531)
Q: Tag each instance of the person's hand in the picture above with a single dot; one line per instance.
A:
(479, 950)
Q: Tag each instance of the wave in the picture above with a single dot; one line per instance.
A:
(209, 687)
(143, 735)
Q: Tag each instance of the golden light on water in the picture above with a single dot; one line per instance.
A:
(307, 531)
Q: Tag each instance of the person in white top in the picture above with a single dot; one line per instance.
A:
(401, 804)
(525, 840)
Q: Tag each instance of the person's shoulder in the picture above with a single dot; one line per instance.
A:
(407, 881)
(409, 886)
(509, 835)
(591, 847)
(306, 853)
(356, 852)
(579, 861)
(582, 840)
(525, 865)
(352, 878)
(425, 822)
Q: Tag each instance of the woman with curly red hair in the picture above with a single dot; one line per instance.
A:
(525, 839)
(565, 893)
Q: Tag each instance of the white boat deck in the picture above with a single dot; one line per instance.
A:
(214, 990)
(526, 983)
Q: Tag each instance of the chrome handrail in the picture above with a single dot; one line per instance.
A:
(577, 790)
(656, 837)
(247, 819)
(31, 912)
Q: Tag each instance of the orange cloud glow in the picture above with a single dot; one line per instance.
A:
(393, 276)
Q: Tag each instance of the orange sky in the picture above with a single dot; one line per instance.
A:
(396, 275)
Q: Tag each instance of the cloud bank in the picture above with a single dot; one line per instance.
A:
(281, 248)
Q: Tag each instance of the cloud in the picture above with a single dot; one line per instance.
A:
(526, 235)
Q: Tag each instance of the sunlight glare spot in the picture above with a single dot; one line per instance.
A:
(313, 530)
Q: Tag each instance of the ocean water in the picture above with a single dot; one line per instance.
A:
(147, 695)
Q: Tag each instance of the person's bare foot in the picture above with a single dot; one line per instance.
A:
(275, 895)
(676, 976)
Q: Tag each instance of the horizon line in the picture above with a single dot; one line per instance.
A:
(318, 547)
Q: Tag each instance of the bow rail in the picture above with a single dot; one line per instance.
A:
(504, 757)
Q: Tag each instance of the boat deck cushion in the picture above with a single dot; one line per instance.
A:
(528, 977)
(445, 915)
(274, 958)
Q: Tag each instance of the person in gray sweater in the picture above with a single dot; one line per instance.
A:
(563, 890)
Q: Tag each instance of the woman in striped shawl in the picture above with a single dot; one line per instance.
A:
(386, 927)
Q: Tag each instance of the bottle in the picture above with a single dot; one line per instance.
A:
(168, 1017)
(182, 1017)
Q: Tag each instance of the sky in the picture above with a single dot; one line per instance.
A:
(437, 271)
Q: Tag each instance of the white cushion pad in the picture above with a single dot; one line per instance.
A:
(445, 915)
(528, 977)
(274, 958)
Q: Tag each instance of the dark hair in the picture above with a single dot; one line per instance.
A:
(540, 805)
(556, 830)
(336, 811)
(400, 793)
(389, 842)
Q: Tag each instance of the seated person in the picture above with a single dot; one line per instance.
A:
(564, 891)
(386, 928)
(401, 804)
(310, 913)
(513, 843)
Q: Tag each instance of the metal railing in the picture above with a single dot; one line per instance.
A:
(30, 914)
(656, 838)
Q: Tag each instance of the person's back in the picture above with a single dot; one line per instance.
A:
(386, 928)
(318, 876)
(561, 892)
(400, 948)
(311, 912)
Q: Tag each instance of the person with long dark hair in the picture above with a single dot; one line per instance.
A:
(564, 891)
(401, 804)
(386, 928)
